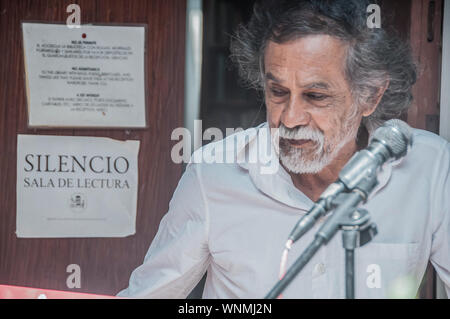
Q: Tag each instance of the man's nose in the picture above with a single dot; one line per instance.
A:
(295, 114)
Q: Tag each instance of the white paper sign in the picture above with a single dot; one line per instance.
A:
(76, 186)
(92, 76)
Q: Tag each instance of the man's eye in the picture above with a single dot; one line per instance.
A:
(316, 96)
(278, 93)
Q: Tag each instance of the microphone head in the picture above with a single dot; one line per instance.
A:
(396, 135)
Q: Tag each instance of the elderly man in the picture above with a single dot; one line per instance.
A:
(328, 82)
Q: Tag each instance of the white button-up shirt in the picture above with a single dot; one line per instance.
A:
(231, 220)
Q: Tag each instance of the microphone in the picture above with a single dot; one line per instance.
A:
(389, 142)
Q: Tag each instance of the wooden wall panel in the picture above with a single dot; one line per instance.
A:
(106, 263)
(426, 43)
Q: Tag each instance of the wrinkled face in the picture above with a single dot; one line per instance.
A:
(309, 100)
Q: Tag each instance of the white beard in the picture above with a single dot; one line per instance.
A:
(310, 161)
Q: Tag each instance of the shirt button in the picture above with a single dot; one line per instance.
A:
(320, 269)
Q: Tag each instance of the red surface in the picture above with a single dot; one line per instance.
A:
(16, 292)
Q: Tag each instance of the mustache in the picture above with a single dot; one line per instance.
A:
(300, 133)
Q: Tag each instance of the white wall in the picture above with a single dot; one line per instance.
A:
(445, 75)
(444, 125)
(193, 71)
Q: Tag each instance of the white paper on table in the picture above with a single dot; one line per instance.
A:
(76, 186)
(92, 76)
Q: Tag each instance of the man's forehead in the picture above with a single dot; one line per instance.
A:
(311, 84)
(314, 61)
(309, 46)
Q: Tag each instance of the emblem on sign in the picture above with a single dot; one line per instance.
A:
(78, 203)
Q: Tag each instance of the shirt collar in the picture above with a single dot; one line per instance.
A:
(273, 180)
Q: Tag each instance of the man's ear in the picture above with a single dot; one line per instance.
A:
(376, 100)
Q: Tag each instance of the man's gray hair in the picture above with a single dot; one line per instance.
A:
(374, 56)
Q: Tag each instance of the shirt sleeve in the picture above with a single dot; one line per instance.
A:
(440, 247)
(178, 255)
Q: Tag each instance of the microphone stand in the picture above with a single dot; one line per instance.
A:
(356, 231)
